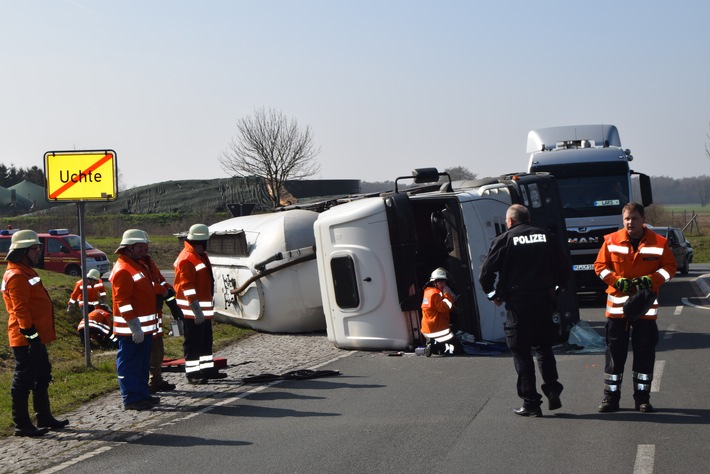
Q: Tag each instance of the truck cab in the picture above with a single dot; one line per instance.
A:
(374, 256)
(595, 182)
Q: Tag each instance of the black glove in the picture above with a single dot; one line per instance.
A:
(174, 308)
(158, 302)
(32, 336)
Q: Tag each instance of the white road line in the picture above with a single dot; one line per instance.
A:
(688, 303)
(645, 454)
(669, 331)
(677, 311)
(657, 374)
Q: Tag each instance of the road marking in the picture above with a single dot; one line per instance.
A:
(688, 303)
(645, 454)
(677, 311)
(669, 331)
(657, 374)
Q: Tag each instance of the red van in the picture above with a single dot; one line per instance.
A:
(62, 252)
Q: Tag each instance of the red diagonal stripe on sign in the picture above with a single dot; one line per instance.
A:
(87, 170)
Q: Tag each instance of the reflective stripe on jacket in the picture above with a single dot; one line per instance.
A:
(617, 259)
(28, 304)
(194, 281)
(160, 286)
(133, 297)
(98, 319)
(94, 293)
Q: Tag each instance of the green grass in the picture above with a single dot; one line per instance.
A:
(74, 384)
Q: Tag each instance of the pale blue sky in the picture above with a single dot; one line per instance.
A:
(386, 86)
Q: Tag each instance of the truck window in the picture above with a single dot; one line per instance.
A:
(74, 242)
(54, 246)
(344, 282)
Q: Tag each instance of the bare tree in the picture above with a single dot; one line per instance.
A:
(273, 148)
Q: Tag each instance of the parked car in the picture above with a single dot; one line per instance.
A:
(681, 248)
(61, 252)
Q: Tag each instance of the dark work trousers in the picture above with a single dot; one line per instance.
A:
(529, 327)
(133, 368)
(644, 337)
(32, 369)
(197, 340)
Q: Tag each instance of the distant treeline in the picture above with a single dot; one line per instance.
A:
(11, 175)
(681, 191)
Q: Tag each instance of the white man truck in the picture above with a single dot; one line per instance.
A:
(595, 182)
(374, 256)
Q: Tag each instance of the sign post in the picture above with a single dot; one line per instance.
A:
(81, 176)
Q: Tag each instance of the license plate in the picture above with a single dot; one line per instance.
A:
(583, 268)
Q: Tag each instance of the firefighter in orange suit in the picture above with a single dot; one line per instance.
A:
(95, 292)
(30, 326)
(100, 327)
(437, 303)
(164, 293)
(194, 284)
(631, 257)
(135, 320)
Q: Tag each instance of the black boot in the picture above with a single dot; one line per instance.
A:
(40, 400)
(21, 417)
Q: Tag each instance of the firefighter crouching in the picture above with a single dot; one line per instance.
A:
(632, 256)
(30, 327)
(100, 328)
(437, 304)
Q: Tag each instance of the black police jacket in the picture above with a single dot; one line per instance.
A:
(525, 258)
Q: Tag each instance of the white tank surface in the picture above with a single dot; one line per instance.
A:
(265, 272)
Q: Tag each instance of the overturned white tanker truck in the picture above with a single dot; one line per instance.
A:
(358, 269)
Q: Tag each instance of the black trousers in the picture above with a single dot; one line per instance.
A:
(529, 328)
(197, 340)
(32, 369)
(644, 338)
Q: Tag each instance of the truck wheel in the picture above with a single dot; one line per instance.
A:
(686, 267)
(73, 270)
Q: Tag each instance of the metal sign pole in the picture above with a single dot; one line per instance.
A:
(84, 292)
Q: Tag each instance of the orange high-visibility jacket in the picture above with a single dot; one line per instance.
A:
(194, 281)
(28, 304)
(133, 297)
(98, 319)
(160, 286)
(94, 293)
(617, 259)
(436, 309)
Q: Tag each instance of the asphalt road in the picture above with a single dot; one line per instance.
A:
(416, 414)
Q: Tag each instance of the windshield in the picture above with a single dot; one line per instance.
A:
(74, 241)
(593, 195)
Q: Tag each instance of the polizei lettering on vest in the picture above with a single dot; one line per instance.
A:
(529, 239)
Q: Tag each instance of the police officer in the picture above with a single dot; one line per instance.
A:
(631, 257)
(530, 264)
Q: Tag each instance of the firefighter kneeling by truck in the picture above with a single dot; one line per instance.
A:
(437, 304)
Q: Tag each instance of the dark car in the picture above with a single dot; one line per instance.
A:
(681, 248)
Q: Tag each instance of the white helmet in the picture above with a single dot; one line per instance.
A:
(93, 274)
(438, 274)
(198, 232)
(22, 239)
(132, 236)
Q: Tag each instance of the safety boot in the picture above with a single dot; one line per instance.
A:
(40, 401)
(21, 417)
(609, 404)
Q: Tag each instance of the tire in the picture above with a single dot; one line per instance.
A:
(686, 267)
(73, 270)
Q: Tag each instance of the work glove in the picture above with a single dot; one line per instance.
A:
(136, 332)
(447, 291)
(172, 304)
(644, 282)
(199, 315)
(623, 285)
(32, 336)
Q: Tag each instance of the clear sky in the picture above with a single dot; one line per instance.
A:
(386, 86)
